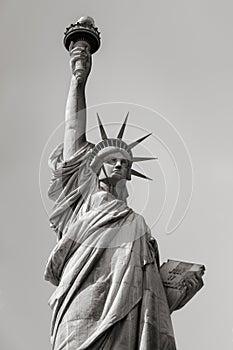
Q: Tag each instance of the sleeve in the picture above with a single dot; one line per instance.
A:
(72, 182)
(154, 245)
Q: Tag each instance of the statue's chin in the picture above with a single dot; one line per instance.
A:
(118, 181)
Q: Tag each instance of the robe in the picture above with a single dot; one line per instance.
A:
(109, 293)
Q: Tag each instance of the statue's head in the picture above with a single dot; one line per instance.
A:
(116, 164)
(116, 156)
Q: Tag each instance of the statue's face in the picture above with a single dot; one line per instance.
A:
(116, 166)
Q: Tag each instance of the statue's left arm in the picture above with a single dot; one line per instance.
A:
(193, 283)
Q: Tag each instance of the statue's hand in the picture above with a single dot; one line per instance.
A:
(80, 61)
(193, 282)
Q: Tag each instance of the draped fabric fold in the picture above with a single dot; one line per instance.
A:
(109, 293)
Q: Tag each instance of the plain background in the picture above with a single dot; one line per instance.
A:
(172, 56)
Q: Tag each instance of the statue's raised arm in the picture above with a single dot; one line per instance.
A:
(75, 113)
(81, 40)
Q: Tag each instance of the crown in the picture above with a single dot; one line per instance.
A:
(119, 143)
(83, 29)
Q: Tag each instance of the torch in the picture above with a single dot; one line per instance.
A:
(83, 30)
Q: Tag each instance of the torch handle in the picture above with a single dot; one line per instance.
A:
(79, 69)
(80, 64)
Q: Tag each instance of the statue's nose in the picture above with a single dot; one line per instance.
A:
(118, 164)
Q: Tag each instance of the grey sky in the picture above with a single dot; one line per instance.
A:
(172, 56)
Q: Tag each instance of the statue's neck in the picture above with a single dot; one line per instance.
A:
(117, 189)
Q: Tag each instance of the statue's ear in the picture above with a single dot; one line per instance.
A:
(128, 174)
(101, 174)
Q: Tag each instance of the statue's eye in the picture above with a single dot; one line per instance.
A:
(124, 162)
(112, 161)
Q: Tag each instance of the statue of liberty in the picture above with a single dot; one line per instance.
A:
(105, 265)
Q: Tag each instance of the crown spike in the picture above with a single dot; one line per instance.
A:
(135, 143)
(101, 128)
(136, 173)
(141, 159)
(122, 129)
